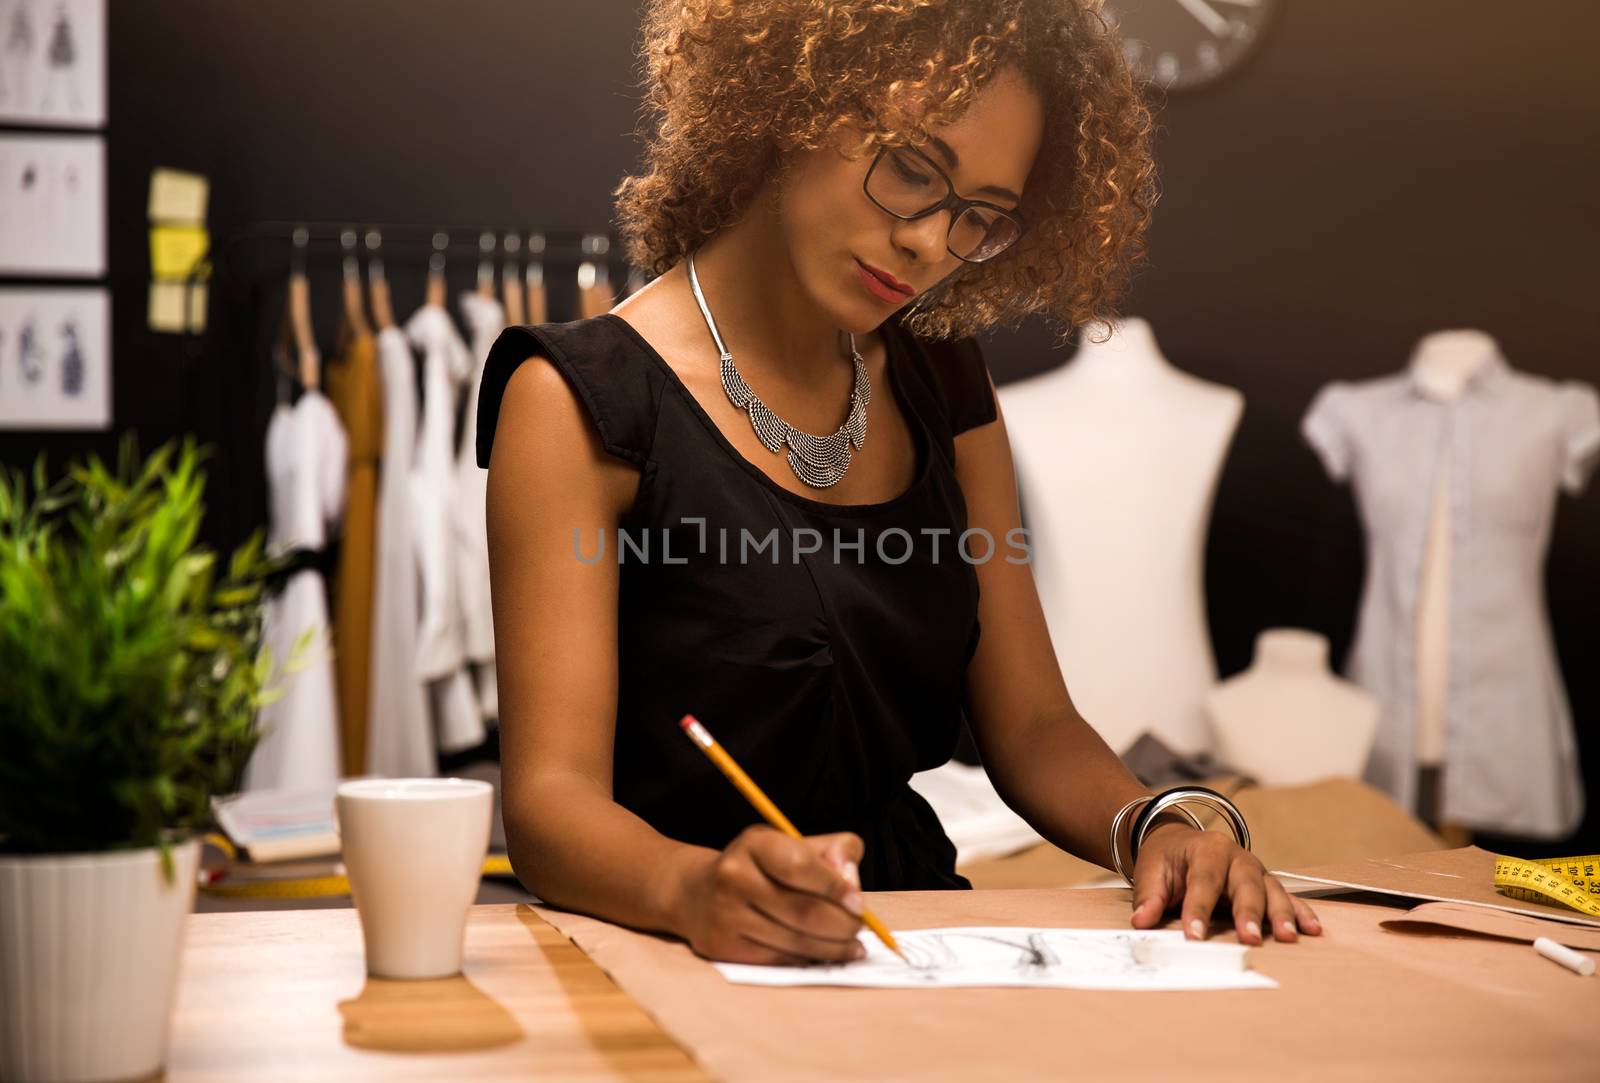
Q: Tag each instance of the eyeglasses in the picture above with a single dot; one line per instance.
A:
(909, 185)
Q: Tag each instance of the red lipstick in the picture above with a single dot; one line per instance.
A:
(883, 284)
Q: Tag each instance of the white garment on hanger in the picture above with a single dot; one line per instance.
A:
(399, 728)
(441, 635)
(305, 455)
(486, 318)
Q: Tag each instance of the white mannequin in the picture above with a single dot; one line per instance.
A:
(1288, 719)
(1117, 453)
(1442, 363)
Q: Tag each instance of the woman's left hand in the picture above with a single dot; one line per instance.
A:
(1178, 864)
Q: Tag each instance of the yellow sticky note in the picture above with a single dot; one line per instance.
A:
(174, 250)
(167, 306)
(176, 196)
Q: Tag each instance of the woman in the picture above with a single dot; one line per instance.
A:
(837, 196)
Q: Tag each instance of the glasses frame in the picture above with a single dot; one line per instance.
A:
(959, 204)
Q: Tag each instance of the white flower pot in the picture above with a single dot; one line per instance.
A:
(89, 947)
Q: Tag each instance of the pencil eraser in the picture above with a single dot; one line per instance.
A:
(1191, 954)
(686, 721)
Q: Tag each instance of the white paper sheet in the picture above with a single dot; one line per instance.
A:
(1002, 955)
(978, 822)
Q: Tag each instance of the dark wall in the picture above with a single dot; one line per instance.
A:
(1375, 172)
(469, 114)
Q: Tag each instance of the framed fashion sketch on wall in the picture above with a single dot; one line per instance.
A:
(52, 205)
(53, 63)
(55, 359)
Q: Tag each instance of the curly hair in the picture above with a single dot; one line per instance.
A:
(733, 87)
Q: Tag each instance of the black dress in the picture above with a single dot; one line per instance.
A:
(830, 675)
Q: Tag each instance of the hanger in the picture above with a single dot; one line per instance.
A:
(310, 361)
(436, 285)
(377, 284)
(355, 316)
(594, 277)
(486, 264)
(287, 377)
(533, 273)
(509, 278)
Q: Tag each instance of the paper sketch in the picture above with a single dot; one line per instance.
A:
(55, 358)
(1002, 955)
(53, 62)
(52, 205)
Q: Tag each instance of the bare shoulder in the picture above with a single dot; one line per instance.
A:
(985, 469)
(665, 314)
(548, 447)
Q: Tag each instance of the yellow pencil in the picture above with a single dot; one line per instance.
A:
(719, 756)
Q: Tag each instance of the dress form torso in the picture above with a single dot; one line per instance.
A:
(1118, 454)
(1288, 720)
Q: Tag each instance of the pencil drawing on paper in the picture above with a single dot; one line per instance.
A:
(937, 951)
(1000, 955)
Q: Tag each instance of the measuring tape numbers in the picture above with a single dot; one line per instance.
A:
(1572, 882)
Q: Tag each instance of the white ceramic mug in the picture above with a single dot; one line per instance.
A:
(413, 849)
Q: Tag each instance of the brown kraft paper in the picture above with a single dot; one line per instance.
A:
(1355, 1003)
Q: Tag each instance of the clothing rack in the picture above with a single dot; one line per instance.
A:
(269, 248)
(421, 235)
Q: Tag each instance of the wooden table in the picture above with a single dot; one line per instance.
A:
(283, 995)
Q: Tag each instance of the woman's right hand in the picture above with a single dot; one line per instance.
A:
(774, 900)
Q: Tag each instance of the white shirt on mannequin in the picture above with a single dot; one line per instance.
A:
(1287, 720)
(1117, 454)
(1513, 441)
(1443, 361)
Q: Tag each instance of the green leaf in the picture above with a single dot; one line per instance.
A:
(130, 674)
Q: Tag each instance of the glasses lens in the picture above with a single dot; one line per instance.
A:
(904, 185)
(981, 233)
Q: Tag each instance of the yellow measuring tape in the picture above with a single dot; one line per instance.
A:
(1561, 881)
(307, 887)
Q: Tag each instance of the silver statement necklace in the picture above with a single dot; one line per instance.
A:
(819, 461)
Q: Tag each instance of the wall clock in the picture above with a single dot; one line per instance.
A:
(1184, 44)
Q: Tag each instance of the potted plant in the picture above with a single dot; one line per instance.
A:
(131, 668)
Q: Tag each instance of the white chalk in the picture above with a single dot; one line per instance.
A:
(1191, 954)
(1574, 961)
